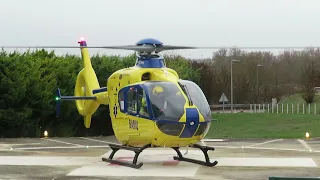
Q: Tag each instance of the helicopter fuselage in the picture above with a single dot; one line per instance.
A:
(179, 117)
(150, 106)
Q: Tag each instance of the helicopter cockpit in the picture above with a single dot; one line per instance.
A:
(162, 100)
(166, 100)
(198, 98)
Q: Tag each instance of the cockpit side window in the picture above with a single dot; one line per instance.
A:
(198, 98)
(121, 101)
(132, 101)
(135, 101)
(166, 100)
(142, 104)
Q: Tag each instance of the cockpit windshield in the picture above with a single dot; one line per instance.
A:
(198, 98)
(166, 100)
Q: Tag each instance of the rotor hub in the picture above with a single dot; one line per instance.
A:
(149, 41)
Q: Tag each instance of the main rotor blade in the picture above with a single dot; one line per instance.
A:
(140, 48)
(258, 47)
(152, 48)
(42, 47)
(149, 48)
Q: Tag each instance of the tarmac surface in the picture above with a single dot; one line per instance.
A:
(80, 158)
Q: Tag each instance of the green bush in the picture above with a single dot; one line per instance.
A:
(28, 81)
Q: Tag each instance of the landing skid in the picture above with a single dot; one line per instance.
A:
(204, 149)
(137, 151)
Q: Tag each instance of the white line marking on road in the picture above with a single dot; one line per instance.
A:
(62, 142)
(305, 144)
(213, 140)
(107, 142)
(60, 147)
(266, 162)
(47, 161)
(257, 144)
(263, 148)
(19, 144)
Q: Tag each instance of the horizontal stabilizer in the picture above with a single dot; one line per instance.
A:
(58, 99)
(70, 98)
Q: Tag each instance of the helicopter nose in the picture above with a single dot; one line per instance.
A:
(192, 121)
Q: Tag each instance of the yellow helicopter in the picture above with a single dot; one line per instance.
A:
(150, 106)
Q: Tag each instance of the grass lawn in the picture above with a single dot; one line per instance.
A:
(264, 125)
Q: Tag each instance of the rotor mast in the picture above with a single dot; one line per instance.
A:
(148, 56)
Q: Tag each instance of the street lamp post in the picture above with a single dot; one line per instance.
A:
(232, 61)
(259, 65)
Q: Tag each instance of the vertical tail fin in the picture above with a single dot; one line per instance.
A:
(86, 82)
(88, 94)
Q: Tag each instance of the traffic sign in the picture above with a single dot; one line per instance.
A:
(223, 98)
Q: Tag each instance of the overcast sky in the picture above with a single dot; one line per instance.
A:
(174, 22)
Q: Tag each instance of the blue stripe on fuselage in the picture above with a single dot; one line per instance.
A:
(192, 115)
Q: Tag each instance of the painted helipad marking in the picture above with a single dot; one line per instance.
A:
(151, 169)
(107, 142)
(59, 147)
(62, 142)
(264, 148)
(155, 163)
(266, 142)
(305, 144)
(267, 162)
(214, 140)
(47, 161)
(19, 144)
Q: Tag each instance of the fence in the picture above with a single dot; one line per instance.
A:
(298, 108)
(293, 108)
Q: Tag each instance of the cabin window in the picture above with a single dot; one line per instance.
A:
(132, 101)
(121, 101)
(142, 103)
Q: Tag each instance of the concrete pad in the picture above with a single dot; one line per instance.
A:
(161, 163)
(80, 141)
(102, 139)
(151, 169)
(282, 144)
(258, 159)
(314, 145)
(214, 140)
(46, 161)
(155, 163)
(267, 162)
(229, 143)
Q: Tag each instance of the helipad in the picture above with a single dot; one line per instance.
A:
(74, 158)
(161, 163)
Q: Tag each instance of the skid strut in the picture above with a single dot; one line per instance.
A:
(137, 151)
(204, 149)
